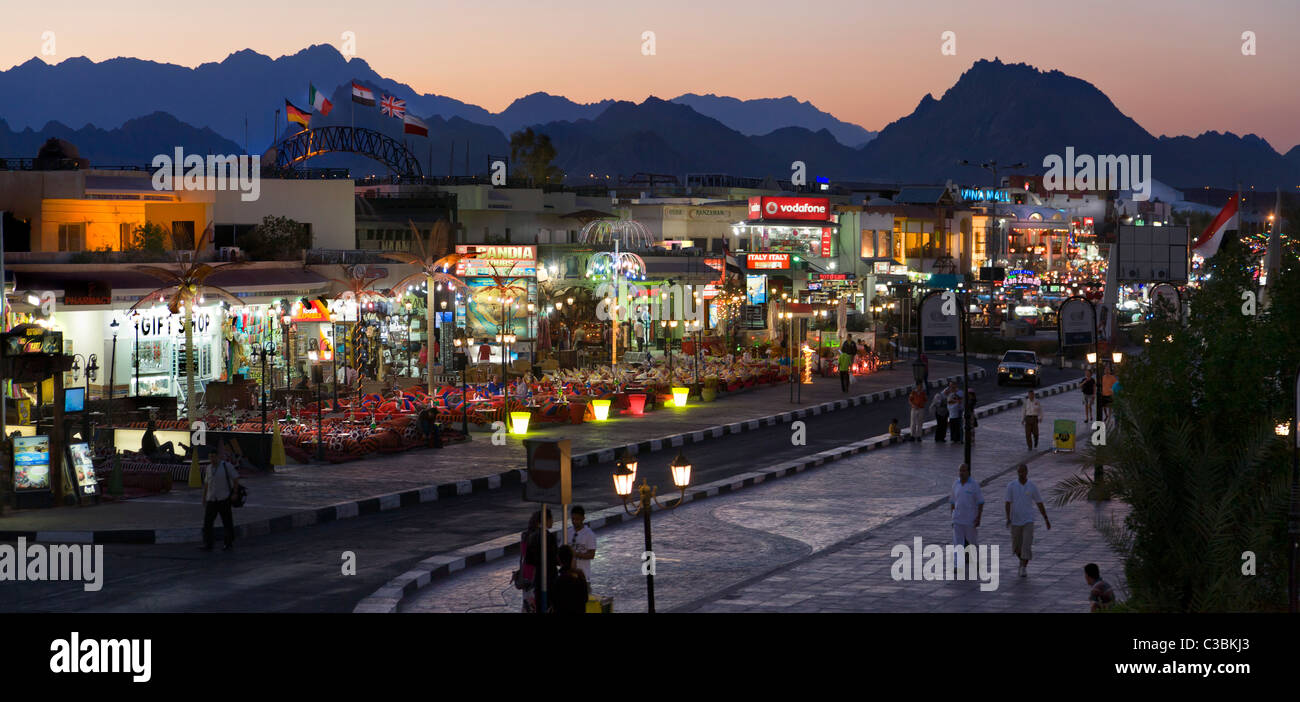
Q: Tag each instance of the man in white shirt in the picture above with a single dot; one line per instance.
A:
(954, 397)
(221, 482)
(583, 540)
(1022, 495)
(1030, 412)
(967, 503)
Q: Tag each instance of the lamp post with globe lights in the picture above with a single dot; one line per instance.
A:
(646, 500)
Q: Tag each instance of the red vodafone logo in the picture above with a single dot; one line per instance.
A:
(809, 208)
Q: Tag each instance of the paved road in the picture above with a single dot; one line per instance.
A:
(300, 570)
(822, 540)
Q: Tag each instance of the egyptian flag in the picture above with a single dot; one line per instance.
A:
(362, 96)
(318, 101)
(412, 125)
(296, 115)
(1207, 244)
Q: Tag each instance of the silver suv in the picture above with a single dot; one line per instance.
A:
(1019, 367)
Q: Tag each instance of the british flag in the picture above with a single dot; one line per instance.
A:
(393, 107)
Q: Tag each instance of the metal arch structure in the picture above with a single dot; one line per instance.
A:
(310, 143)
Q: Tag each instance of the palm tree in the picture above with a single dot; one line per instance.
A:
(434, 269)
(182, 288)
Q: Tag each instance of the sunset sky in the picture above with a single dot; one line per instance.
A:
(1175, 66)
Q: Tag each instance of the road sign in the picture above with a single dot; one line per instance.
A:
(549, 471)
(940, 327)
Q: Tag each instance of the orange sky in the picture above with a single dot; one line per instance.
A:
(1174, 66)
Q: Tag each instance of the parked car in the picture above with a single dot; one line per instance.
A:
(1019, 366)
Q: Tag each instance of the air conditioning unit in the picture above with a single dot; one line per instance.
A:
(231, 253)
(185, 256)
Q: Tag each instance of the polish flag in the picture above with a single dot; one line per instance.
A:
(1207, 244)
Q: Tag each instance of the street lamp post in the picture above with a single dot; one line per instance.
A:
(261, 354)
(1293, 514)
(462, 365)
(320, 434)
(334, 364)
(623, 483)
(112, 380)
(135, 360)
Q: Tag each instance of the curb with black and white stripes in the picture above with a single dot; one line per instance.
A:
(431, 493)
(387, 599)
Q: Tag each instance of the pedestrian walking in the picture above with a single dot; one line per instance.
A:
(954, 398)
(1030, 413)
(940, 406)
(847, 351)
(967, 505)
(569, 591)
(1102, 595)
(583, 539)
(925, 375)
(1089, 389)
(1107, 392)
(220, 485)
(534, 558)
(1022, 495)
(523, 578)
(917, 400)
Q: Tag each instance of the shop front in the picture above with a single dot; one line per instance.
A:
(499, 312)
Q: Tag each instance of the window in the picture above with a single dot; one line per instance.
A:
(72, 237)
(124, 237)
(507, 235)
(868, 244)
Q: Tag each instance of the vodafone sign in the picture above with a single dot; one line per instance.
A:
(817, 209)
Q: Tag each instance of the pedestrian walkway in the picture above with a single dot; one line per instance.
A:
(821, 540)
(309, 494)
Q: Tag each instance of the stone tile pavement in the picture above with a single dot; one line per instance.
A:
(821, 540)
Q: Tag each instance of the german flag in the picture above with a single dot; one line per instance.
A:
(296, 115)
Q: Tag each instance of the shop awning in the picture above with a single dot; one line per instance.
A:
(792, 223)
(947, 281)
(126, 281)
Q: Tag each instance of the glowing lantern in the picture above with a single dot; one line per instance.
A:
(601, 409)
(636, 403)
(519, 422)
(679, 396)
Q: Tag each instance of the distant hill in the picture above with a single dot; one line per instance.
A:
(248, 86)
(135, 143)
(1016, 113)
(1007, 112)
(766, 115)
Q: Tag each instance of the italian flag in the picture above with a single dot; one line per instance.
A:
(1207, 244)
(412, 125)
(362, 96)
(318, 101)
(296, 115)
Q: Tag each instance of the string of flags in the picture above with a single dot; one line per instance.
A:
(389, 106)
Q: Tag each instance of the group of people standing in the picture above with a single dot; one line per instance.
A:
(568, 567)
(947, 406)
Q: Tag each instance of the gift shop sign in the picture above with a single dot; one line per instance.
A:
(813, 209)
